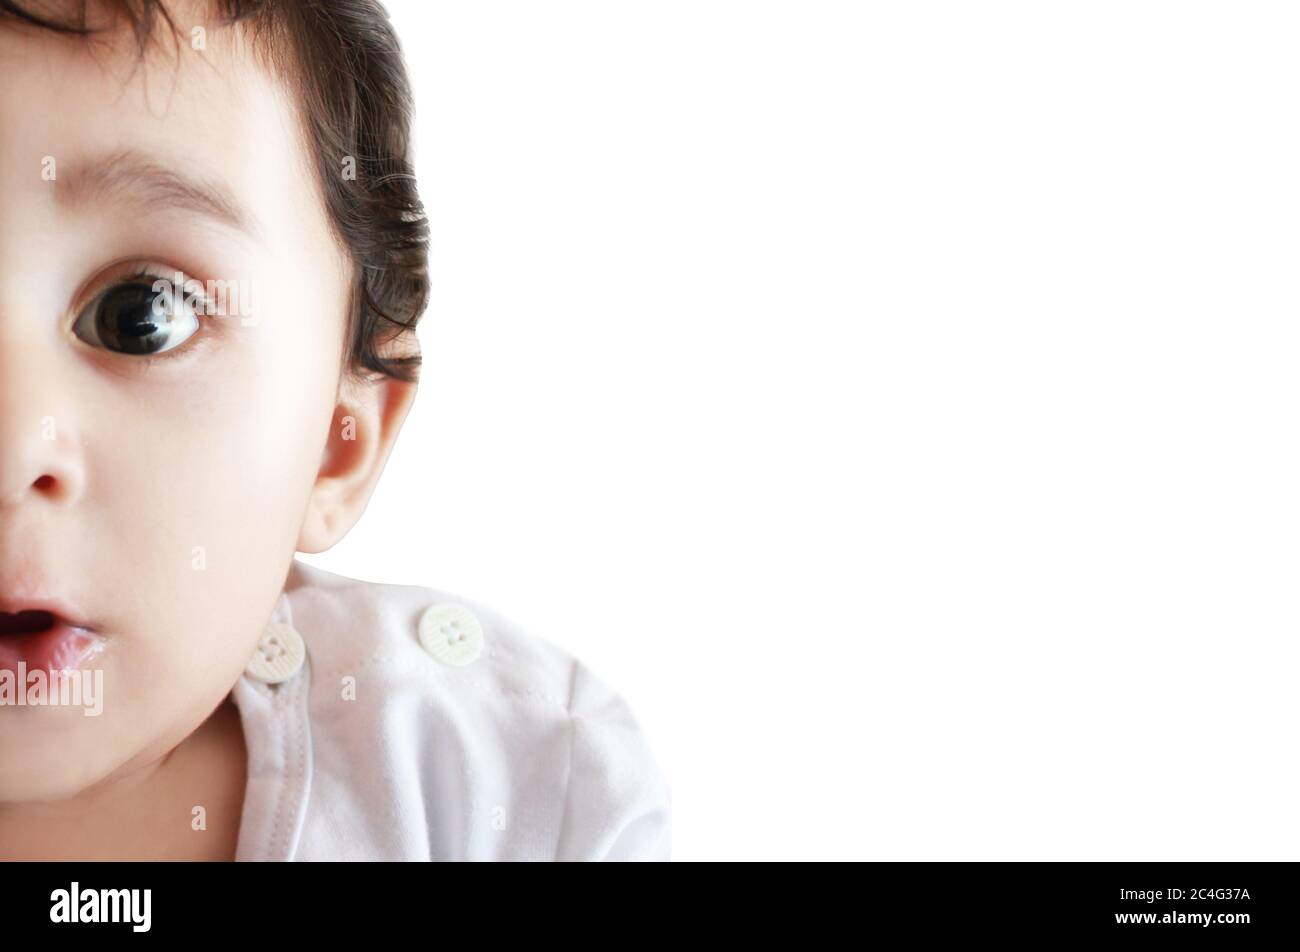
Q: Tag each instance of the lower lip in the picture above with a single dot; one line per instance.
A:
(61, 648)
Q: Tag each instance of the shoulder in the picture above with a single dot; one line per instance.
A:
(505, 744)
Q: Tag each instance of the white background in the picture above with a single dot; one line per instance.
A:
(896, 402)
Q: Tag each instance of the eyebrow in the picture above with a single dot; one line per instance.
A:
(132, 177)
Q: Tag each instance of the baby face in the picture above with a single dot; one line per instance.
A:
(155, 462)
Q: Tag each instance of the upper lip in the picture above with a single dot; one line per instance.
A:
(12, 603)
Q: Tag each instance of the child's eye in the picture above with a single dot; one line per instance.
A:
(139, 317)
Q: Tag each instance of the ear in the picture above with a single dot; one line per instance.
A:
(367, 418)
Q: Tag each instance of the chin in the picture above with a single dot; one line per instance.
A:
(29, 773)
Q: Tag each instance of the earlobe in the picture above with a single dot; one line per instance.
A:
(363, 431)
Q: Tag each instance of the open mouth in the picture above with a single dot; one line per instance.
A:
(26, 622)
(35, 638)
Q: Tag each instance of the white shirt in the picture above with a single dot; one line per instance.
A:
(469, 740)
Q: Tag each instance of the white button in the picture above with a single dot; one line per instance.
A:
(279, 654)
(451, 633)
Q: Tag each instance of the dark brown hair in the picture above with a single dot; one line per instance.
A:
(343, 60)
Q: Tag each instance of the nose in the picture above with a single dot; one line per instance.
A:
(40, 451)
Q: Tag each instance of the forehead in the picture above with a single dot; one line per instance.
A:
(216, 117)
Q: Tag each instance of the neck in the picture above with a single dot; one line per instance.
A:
(185, 804)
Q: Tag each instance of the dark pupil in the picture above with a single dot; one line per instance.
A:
(125, 320)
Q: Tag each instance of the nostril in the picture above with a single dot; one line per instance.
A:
(25, 622)
(44, 483)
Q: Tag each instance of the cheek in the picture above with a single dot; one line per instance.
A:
(216, 457)
(196, 493)
(223, 474)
